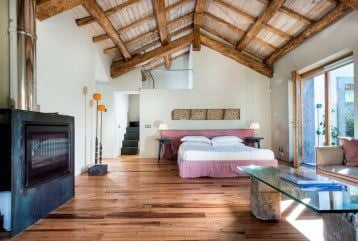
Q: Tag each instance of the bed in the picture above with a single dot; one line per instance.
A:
(198, 160)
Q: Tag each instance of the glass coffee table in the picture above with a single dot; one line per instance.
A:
(338, 207)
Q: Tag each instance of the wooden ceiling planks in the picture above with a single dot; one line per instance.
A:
(237, 56)
(271, 9)
(337, 13)
(109, 12)
(262, 30)
(95, 10)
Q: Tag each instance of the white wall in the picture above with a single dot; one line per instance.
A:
(4, 54)
(68, 61)
(133, 109)
(219, 82)
(341, 37)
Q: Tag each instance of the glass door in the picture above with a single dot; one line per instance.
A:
(325, 107)
(341, 93)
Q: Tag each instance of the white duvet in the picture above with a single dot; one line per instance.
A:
(205, 152)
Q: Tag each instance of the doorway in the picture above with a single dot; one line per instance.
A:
(126, 107)
(325, 107)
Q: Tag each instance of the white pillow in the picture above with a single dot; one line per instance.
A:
(237, 143)
(226, 139)
(190, 143)
(202, 139)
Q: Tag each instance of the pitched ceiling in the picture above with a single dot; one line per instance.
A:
(255, 33)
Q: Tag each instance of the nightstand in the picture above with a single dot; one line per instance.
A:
(254, 139)
(164, 141)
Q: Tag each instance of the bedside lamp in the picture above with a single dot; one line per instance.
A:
(162, 127)
(255, 126)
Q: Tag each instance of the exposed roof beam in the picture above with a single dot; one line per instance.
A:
(90, 19)
(276, 31)
(102, 37)
(198, 17)
(159, 64)
(117, 70)
(48, 8)
(167, 61)
(109, 12)
(161, 18)
(96, 11)
(236, 10)
(264, 44)
(255, 28)
(230, 41)
(125, 28)
(226, 24)
(350, 3)
(237, 56)
(145, 35)
(297, 16)
(148, 45)
(330, 18)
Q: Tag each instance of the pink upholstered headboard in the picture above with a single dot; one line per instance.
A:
(176, 135)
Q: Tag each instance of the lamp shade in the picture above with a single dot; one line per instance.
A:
(163, 126)
(102, 108)
(254, 126)
(97, 96)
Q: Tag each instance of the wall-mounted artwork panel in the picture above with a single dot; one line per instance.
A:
(206, 114)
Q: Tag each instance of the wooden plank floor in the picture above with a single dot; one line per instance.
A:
(140, 200)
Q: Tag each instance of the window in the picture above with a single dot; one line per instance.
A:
(324, 107)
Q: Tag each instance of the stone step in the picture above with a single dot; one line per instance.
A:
(131, 136)
(134, 124)
(134, 130)
(129, 150)
(130, 143)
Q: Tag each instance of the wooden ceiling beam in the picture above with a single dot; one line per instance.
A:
(255, 28)
(109, 12)
(237, 56)
(350, 3)
(265, 44)
(276, 31)
(334, 15)
(198, 17)
(167, 61)
(48, 8)
(171, 59)
(117, 70)
(150, 44)
(96, 11)
(289, 12)
(236, 10)
(223, 22)
(161, 18)
(232, 42)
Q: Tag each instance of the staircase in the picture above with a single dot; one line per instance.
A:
(131, 138)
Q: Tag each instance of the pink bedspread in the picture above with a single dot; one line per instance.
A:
(193, 169)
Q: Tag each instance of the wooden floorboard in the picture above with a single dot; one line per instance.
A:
(141, 200)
